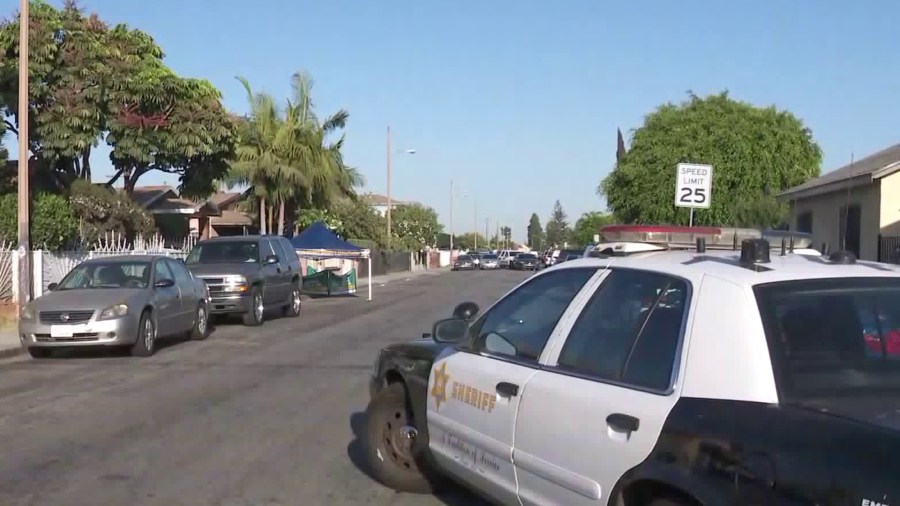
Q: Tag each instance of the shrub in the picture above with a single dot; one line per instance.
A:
(53, 223)
(101, 211)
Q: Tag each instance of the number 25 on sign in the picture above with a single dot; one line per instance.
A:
(693, 185)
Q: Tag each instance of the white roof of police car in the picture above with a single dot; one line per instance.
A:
(780, 268)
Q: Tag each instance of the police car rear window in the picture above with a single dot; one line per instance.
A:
(833, 337)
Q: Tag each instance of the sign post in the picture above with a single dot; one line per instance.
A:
(693, 187)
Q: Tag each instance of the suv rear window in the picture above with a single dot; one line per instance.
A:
(833, 337)
(224, 252)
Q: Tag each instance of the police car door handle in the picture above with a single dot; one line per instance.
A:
(507, 389)
(623, 423)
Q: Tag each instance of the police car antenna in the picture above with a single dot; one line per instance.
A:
(847, 206)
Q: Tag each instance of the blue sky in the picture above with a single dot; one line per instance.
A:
(518, 101)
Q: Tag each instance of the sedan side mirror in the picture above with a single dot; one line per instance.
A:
(271, 259)
(451, 330)
(466, 310)
(52, 286)
(164, 283)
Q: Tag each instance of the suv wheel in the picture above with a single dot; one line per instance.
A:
(293, 308)
(254, 315)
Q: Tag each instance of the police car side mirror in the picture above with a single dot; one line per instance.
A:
(466, 310)
(451, 330)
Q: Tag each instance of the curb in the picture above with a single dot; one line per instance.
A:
(11, 352)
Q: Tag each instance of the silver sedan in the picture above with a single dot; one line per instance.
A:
(117, 301)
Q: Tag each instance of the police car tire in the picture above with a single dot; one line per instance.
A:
(667, 502)
(385, 404)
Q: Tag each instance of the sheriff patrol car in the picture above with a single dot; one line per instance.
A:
(697, 371)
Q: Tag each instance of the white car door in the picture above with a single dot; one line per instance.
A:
(474, 389)
(596, 410)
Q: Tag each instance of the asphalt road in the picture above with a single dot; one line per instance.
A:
(250, 417)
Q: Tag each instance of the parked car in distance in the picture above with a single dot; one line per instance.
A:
(117, 301)
(525, 261)
(489, 261)
(463, 263)
(505, 257)
(248, 274)
(569, 254)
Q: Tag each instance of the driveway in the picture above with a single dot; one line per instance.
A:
(263, 416)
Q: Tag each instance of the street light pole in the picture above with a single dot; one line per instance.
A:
(389, 187)
(24, 195)
(475, 219)
(451, 219)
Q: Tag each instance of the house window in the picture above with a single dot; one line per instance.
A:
(805, 222)
(850, 219)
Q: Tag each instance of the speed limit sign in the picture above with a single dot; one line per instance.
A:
(693, 185)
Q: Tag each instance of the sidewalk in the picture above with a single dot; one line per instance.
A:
(9, 343)
(399, 276)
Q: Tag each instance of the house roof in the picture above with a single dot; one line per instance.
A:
(230, 217)
(875, 166)
(164, 199)
(224, 198)
(146, 196)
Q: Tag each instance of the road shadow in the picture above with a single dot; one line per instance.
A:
(451, 495)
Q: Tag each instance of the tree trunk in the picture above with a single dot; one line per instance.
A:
(262, 215)
(271, 212)
(281, 218)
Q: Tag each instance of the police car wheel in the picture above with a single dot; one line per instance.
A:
(392, 451)
(668, 502)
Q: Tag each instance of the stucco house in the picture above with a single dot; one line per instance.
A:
(856, 206)
(379, 202)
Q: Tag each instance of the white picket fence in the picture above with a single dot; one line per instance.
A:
(52, 266)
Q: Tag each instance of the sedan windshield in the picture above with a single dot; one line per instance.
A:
(833, 337)
(527, 256)
(489, 257)
(107, 275)
(464, 258)
(224, 253)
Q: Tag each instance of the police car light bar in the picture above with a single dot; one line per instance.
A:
(679, 237)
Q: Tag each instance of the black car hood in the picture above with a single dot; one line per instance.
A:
(881, 411)
(420, 349)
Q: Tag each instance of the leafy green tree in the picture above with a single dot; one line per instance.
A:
(53, 222)
(558, 231)
(359, 221)
(467, 241)
(762, 212)
(415, 225)
(535, 236)
(588, 225)
(91, 83)
(750, 148)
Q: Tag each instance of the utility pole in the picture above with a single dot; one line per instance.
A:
(487, 236)
(389, 187)
(498, 234)
(24, 195)
(475, 219)
(451, 219)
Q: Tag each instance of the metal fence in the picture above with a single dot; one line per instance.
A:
(889, 248)
(52, 266)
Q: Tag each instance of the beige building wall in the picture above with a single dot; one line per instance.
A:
(890, 205)
(827, 216)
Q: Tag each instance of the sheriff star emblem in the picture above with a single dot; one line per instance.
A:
(439, 389)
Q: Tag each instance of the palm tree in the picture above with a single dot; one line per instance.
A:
(286, 155)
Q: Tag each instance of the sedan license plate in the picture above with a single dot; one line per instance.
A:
(62, 330)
